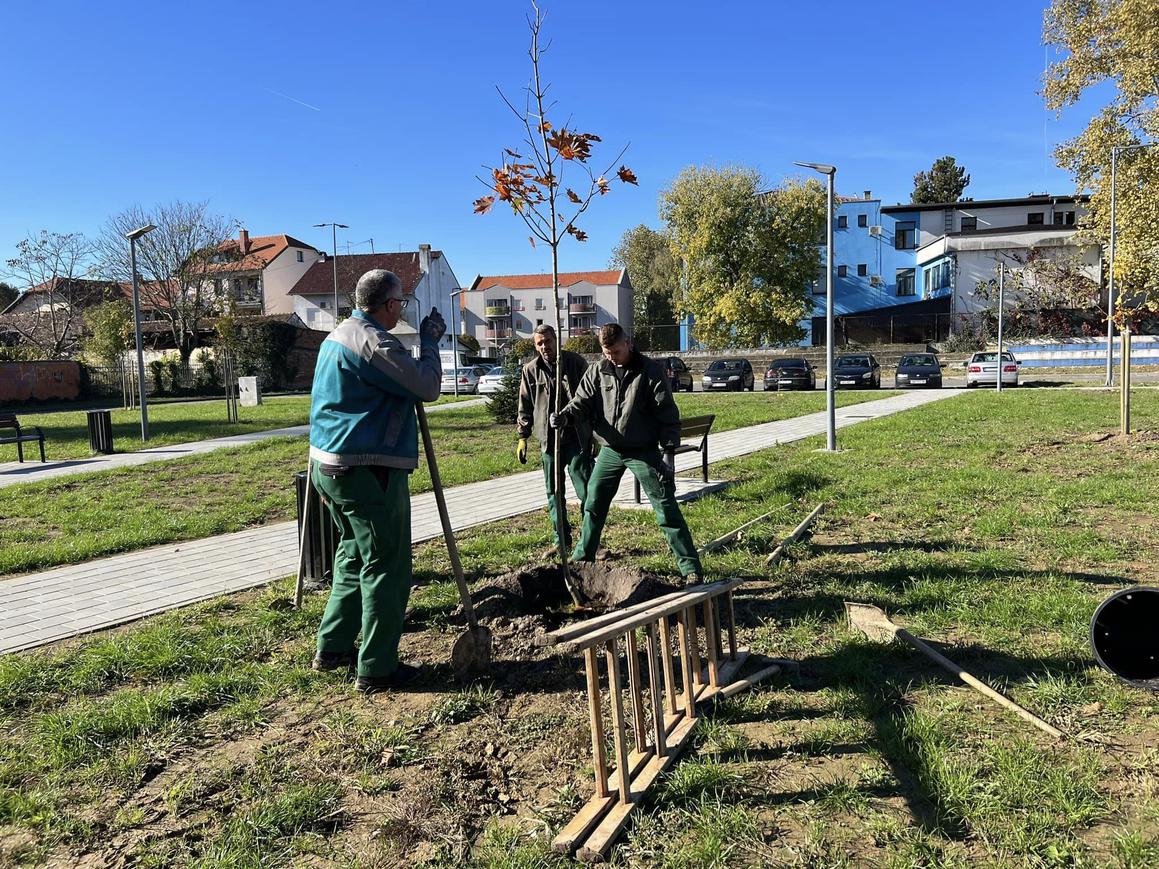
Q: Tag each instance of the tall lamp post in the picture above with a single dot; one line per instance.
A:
(830, 404)
(334, 227)
(455, 339)
(132, 237)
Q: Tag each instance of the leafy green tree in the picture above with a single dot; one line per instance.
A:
(110, 331)
(655, 276)
(8, 294)
(751, 253)
(503, 404)
(1112, 46)
(945, 181)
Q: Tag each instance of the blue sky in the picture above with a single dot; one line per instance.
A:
(379, 115)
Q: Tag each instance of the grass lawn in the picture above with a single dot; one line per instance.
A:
(66, 433)
(85, 516)
(990, 525)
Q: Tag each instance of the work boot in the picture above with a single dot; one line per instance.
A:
(693, 579)
(405, 674)
(324, 661)
(603, 554)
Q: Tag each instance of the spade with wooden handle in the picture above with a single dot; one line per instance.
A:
(875, 624)
(471, 654)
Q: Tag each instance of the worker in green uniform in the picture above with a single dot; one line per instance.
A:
(536, 403)
(363, 447)
(628, 400)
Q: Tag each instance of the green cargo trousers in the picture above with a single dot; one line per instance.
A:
(647, 466)
(579, 467)
(372, 568)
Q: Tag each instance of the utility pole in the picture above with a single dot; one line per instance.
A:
(1001, 300)
(334, 227)
(830, 398)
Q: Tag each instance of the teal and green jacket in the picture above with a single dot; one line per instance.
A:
(366, 384)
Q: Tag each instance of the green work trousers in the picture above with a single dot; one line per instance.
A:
(579, 467)
(372, 568)
(647, 467)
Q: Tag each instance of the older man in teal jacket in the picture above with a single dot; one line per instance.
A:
(363, 447)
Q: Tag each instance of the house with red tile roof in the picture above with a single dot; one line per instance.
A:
(499, 309)
(426, 276)
(257, 272)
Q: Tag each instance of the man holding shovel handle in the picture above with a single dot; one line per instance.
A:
(363, 447)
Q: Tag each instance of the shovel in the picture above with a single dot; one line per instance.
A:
(875, 624)
(471, 655)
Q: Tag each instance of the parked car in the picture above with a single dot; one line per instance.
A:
(854, 370)
(796, 373)
(679, 375)
(918, 369)
(726, 374)
(492, 381)
(983, 369)
(468, 379)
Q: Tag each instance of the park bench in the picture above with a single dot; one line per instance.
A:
(8, 422)
(691, 427)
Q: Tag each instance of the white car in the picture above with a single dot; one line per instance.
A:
(468, 380)
(982, 369)
(492, 381)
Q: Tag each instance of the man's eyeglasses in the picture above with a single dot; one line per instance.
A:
(402, 302)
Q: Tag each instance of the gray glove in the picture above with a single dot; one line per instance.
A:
(433, 325)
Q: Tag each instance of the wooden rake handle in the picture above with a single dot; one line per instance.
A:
(444, 518)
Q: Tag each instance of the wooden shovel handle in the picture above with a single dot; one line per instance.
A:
(444, 518)
(977, 684)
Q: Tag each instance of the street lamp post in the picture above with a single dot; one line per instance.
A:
(830, 404)
(1001, 300)
(455, 339)
(132, 237)
(334, 227)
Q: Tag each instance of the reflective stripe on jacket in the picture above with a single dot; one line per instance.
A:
(362, 407)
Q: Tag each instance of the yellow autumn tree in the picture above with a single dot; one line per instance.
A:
(1113, 43)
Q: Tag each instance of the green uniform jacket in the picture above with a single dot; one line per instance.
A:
(628, 413)
(537, 398)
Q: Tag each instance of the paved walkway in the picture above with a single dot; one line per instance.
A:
(12, 473)
(40, 608)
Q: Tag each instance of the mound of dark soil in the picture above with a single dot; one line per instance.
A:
(540, 589)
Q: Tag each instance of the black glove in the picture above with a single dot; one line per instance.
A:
(557, 420)
(668, 472)
(433, 325)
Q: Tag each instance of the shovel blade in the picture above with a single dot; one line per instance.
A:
(471, 654)
(871, 621)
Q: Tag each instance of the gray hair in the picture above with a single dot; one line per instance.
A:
(374, 288)
(544, 329)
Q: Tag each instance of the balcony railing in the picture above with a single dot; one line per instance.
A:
(501, 332)
(580, 330)
(581, 308)
(497, 311)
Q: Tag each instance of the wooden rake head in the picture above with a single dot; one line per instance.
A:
(871, 621)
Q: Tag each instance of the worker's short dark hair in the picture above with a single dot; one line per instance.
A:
(374, 288)
(612, 334)
(544, 329)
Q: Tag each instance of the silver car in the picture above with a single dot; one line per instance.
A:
(468, 379)
(982, 369)
(492, 381)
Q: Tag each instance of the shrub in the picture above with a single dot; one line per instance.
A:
(504, 404)
(582, 344)
(470, 342)
(523, 348)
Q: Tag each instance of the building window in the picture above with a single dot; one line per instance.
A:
(301, 256)
(862, 270)
(905, 282)
(863, 220)
(969, 224)
(842, 221)
(1064, 218)
(1034, 218)
(842, 271)
(905, 235)
(539, 305)
(817, 287)
(936, 277)
(538, 322)
(517, 304)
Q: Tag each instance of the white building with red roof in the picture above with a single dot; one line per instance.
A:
(499, 309)
(427, 281)
(257, 272)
